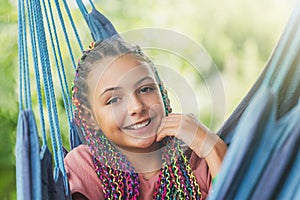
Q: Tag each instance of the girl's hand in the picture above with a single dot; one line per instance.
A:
(188, 129)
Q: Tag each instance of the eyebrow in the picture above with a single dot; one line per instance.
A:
(109, 89)
(143, 79)
(118, 88)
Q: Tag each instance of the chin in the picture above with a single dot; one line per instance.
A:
(148, 145)
(145, 143)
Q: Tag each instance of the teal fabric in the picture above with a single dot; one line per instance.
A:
(48, 186)
(283, 161)
(28, 168)
(74, 136)
(101, 28)
(243, 145)
(51, 188)
(36, 178)
(267, 129)
(281, 57)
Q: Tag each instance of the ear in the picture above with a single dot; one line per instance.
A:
(92, 122)
(90, 119)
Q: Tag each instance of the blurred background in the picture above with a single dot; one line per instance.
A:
(238, 35)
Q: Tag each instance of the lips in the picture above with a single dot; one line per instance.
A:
(139, 125)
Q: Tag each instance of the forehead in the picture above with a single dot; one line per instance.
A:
(120, 71)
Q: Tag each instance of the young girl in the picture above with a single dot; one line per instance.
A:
(135, 148)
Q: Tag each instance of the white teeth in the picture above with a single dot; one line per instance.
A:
(139, 126)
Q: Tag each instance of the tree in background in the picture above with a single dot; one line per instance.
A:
(8, 97)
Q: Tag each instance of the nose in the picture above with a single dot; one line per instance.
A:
(135, 105)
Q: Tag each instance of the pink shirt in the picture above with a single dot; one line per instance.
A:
(83, 178)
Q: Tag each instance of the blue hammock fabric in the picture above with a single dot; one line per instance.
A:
(266, 125)
(36, 177)
(48, 183)
(74, 136)
(28, 168)
(284, 156)
(34, 164)
(101, 28)
(227, 130)
(51, 188)
(287, 99)
(249, 135)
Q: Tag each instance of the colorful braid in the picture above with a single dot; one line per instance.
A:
(176, 180)
(118, 177)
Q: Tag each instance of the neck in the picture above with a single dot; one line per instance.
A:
(146, 162)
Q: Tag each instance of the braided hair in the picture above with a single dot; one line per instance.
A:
(118, 177)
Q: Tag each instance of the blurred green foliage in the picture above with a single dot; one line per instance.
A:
(238, 35)
(8, 97)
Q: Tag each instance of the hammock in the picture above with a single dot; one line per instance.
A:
(263, 156)
(35, 177)
(272, 134)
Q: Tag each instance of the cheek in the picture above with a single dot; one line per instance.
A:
(115, 116)
(105, 119)
(156, 104)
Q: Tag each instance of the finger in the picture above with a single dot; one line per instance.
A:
(183, 117)
(167, 122)
(167, 125)
(174, 116)
(166, 132)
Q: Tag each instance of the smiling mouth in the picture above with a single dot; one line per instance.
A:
(140, 125)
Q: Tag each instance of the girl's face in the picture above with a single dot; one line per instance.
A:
(126, 102)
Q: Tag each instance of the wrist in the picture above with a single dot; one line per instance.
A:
(204, 142)
(215, 157)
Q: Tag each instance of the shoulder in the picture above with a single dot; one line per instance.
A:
(79, 158)
(79, 151)
(82, 152)
(81, 173)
